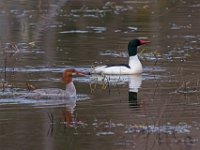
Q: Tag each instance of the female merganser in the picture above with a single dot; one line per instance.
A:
(55, 93)
(134, 66)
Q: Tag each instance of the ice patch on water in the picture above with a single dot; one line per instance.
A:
(133, 28)
(30, 69)
(16, 97)
(74, 31)
(105, 133)
(89, 29)
(168, 129)
(178, 27)
(97, 29)
(109, 128)
(114, 53)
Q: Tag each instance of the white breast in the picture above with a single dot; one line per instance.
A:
(135, 64)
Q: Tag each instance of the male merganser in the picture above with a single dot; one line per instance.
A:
(55, 93)
(133, 67)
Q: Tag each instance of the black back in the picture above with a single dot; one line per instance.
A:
(116, 65)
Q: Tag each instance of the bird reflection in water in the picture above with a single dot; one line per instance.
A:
(70, 98)
(59, 97)
(69, 119)
(134, 83)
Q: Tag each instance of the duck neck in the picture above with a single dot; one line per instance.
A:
(135, 63)
(132, 50)
(70, 89)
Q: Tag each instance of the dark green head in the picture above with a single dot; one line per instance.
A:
(133, 44)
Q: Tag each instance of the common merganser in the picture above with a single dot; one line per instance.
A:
(55, 93)
(133, 67)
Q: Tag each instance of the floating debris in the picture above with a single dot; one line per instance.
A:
(186, 89)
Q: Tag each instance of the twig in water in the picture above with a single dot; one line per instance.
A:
(30, 86)
(51, 118)
(51, 126)
(93, 86)
(104, 82)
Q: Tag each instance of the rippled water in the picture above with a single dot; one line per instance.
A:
(157, 110)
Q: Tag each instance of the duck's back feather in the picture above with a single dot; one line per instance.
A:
(115, 70)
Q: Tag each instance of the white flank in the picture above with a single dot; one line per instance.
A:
(134, 63)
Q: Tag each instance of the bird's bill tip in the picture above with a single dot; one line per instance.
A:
(78, 73)
(142, 42)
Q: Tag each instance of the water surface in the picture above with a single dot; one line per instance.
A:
(157, 110)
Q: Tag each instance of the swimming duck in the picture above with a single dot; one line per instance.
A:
(133, 67)
(55, 93)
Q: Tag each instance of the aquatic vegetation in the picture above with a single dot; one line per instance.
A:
(10, 50)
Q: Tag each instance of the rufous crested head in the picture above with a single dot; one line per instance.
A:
(69, 73)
